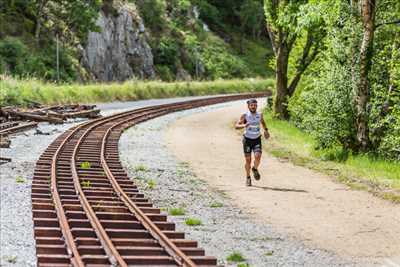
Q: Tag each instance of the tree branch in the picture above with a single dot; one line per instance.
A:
(272, 37)
(290, 41)
(387, 23)
(304, 62)
(274, 34)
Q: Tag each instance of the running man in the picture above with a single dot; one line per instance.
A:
(251, 121)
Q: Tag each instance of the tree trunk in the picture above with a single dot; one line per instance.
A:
(281, 97)
(40, 8)
(354, 43)
(363, 90)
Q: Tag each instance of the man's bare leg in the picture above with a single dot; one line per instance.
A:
(257, 160)
(247, 167)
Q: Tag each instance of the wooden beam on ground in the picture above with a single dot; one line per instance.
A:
(94, 113)
(7, 125)
(33, 117)
(18, 128)
(4, 160)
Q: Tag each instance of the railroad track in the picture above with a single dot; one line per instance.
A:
(86, 210)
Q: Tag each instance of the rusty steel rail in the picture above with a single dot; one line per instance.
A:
(95, 215)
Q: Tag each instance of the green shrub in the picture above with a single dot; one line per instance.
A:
(333, 153)
(389, 146)
(3, 66)
(141, 168)
(13, 52)
(177, 211)
(235, 257)
(153, 12)
(151, 184)
(20, 180)
(85, 165)
(166, 52)
(324, 109)
(165, 73)
(209, 13)
(219, 62)
(10, 93)
(193, 222)
(23, 61)
(86, 184)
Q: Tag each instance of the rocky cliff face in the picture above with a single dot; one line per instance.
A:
(120, 50)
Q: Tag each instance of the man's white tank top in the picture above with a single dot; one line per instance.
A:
(253, 130)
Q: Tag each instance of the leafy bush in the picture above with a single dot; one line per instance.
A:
(3, 66)
(13, 52)
(166, 52)
(153, 12)
(324, 108)
(165, 73)
(219, 63)
(22, 61)
(390, 143)
(208, 12)
(385, 97)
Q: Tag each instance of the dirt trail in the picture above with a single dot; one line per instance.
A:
(302, 203)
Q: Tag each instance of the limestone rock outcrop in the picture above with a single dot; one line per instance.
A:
(119, 51)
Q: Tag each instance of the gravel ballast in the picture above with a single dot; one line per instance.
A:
(224, 228)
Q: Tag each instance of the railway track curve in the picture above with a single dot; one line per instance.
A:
(86, 210)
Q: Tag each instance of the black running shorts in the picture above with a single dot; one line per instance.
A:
(250, 145)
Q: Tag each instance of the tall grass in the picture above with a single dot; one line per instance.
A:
(19, 92)
(287, 141)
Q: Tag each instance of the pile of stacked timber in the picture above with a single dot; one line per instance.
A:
(13, 119)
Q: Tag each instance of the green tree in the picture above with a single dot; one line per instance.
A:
(355, 64)
(70, 19)
(251, 20)
(289, 22)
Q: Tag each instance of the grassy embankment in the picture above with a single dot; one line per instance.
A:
(18, 92)
(360, 172)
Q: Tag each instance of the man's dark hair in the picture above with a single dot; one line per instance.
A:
(251, 101)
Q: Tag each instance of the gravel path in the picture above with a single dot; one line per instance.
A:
(224, 228)
(17, 245)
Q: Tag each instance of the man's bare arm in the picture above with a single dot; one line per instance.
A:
(266, 133)
(241, 123)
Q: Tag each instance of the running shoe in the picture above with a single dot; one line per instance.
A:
(248, 181)
(256, 174)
